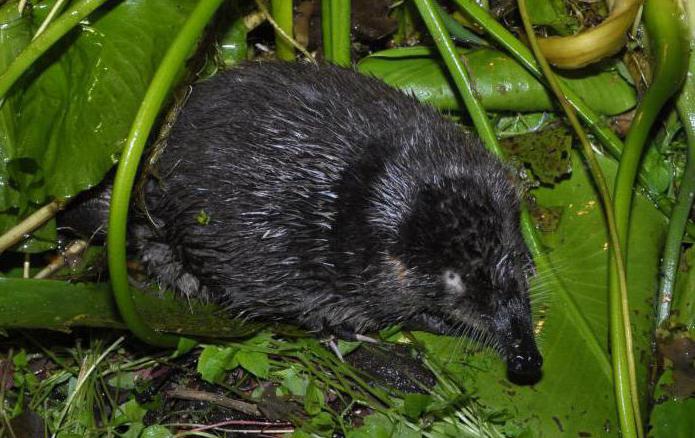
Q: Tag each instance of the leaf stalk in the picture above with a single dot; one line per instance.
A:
(128, 165)
(620, 329)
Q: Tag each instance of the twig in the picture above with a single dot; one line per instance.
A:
(74, 250)
(221, 400)
(32, 222)
(279, 30)
(57, 7)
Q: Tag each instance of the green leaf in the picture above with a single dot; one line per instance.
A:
(546, 153)
(261, 339)
(254, 362)
(314, 400)
(414, 405)
(500, 82)
(156, 431)
(321, 424)
(71, 113)
(123, 380)
(295, 383)
(185, 345)
(552, 13)
(380, 426)
(20, 359)
(673, 419)
(134, 431)
(130, 412)
(522, 123)
(575, 394)
(214, 361)
(347, 347)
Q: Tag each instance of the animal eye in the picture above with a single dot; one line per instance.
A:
(453, 282)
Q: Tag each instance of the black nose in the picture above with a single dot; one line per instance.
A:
(525, 364)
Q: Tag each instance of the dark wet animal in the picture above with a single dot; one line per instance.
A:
(324, 198)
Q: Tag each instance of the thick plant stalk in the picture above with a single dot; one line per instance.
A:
(326, 29)
(686, 192)
(620, 330)
(669, 38)
(282, 14)
(64, 24)
(335, 30)
(158, 90)
(594, 44)
(462, 79)
(665, 27)
(60, 305)
(663, 19)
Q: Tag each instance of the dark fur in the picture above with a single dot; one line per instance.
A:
(340, 204)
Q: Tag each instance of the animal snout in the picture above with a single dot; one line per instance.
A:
(525, 364)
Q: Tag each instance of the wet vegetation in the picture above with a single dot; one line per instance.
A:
(592, 103)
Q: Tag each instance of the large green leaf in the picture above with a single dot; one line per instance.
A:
(500, 82)
(66, 121)
(575, 394)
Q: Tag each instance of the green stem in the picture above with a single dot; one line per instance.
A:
(686, 193)
(283, 16)
(64, 24)
(159, 88)
(679, 218)
(457, 30)
(459, 73)
(340, 32)
(620, 330)
(327, 29)
(666, 31)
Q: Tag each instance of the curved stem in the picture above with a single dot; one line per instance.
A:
(686, 192)
(44, 41)
(679, 218)
(283, 16)
(620, 329)
(158, 90)
(671, 64)
(666, 30)
(594, 44)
